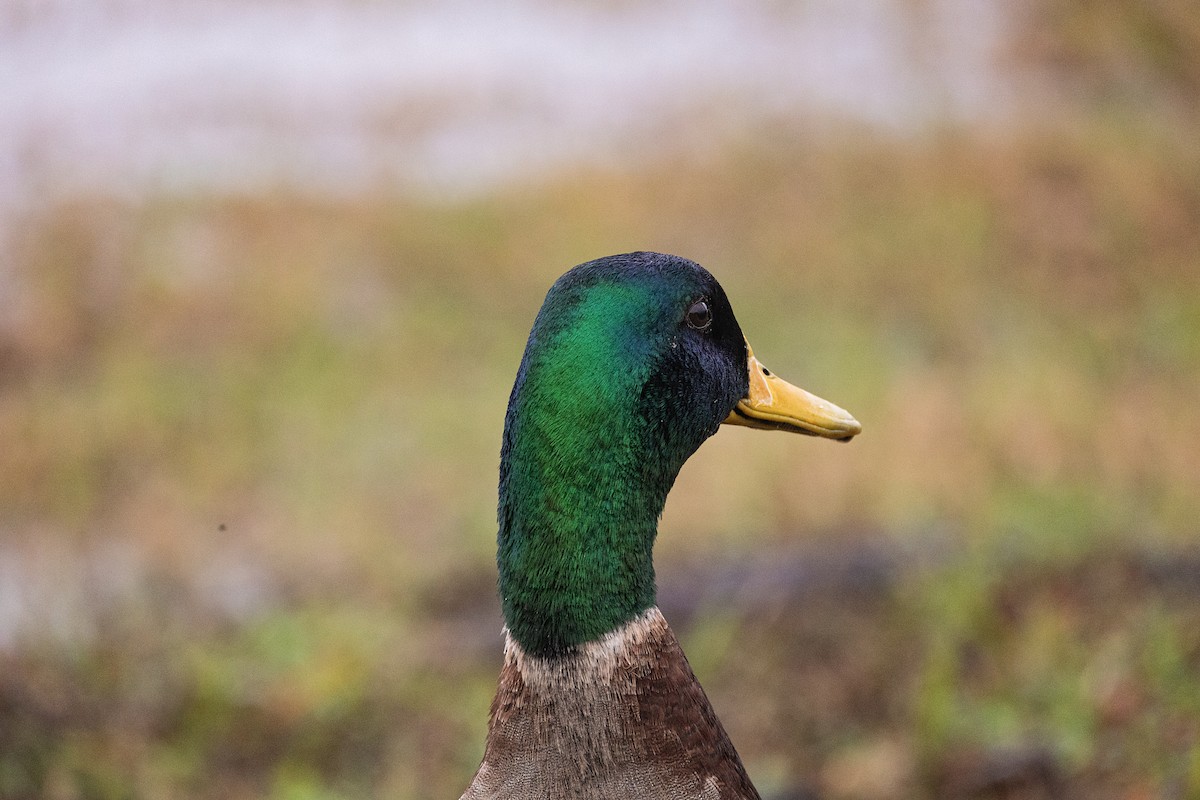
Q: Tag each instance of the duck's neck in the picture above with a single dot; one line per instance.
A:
(578, 518)
(600, 421)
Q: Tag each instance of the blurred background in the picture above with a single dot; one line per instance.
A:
(267, 269)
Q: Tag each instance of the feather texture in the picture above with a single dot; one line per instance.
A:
(619, 717)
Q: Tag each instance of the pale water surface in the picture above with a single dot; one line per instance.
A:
(129, 95)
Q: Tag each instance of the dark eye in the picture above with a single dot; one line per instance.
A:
(699, 315)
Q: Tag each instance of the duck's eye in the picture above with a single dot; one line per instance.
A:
(699, 315)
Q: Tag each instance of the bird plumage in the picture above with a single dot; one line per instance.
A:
(633, 361)
(619, 717)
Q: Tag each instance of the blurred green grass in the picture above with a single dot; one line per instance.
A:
(248, 448)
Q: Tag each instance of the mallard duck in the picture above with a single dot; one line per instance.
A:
(633, 361)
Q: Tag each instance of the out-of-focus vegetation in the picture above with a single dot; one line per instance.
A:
(248, 450)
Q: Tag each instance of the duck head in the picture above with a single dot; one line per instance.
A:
(633, 361)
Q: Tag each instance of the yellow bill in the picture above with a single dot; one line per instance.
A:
(775, 404)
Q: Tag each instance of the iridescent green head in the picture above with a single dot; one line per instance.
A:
(633, 361)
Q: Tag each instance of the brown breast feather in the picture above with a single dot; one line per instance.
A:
(623, 717)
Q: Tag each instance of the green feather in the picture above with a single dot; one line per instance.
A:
(613, 394)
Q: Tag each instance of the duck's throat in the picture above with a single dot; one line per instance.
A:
(575, 545)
